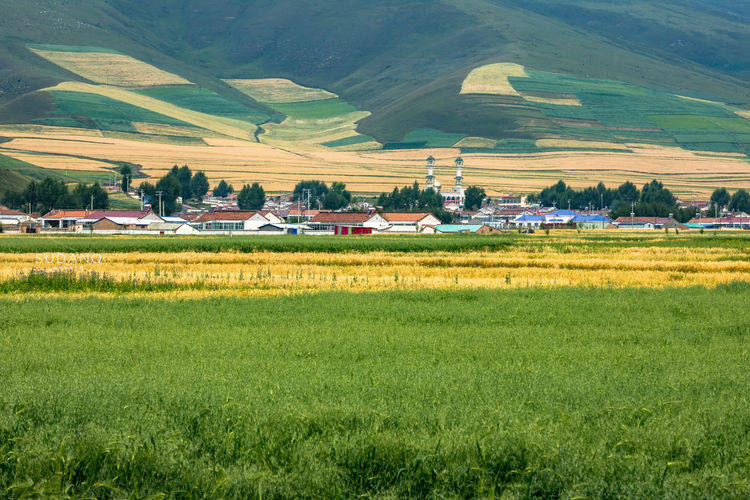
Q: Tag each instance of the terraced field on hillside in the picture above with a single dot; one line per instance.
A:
(566, 128)
(558, 112)
(314, 117)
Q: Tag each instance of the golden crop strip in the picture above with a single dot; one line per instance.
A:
(111, 69)
(278, 169)
(267, 273)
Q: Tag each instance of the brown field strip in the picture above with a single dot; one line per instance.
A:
(277, 168)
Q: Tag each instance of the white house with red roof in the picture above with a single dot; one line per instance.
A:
(232, 220)
(327, 221)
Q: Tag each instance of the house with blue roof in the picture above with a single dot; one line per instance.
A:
(591, 221)
(530, 221)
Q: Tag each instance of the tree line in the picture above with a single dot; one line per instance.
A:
(652, 200)
(49, 194)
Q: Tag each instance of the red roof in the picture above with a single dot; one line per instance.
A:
(722, 220)
(404, 216)
(235, 215)
(342, 217)
(66, 214)
(101, 214)
(9, 211)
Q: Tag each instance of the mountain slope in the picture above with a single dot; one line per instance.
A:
(394, 72)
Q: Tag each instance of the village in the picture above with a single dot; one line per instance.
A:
(282, 214)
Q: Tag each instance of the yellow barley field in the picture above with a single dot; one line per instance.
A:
(492, 79)
(279, 168)
(591, 145)
(278, 90)
(558, 101)
(111, 69)
(264, 273)
(222, 125)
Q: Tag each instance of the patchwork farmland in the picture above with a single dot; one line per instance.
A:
(567, 128)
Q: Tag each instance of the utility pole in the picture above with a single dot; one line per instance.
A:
(161, 209)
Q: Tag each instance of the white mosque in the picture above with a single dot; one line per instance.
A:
(455, 196)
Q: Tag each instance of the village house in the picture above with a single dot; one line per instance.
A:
(527, 221)
(591, 222)
(62, 219)
(328, 221)
(143, 218)
(177, 228)
(633, 222)
(510, 200)
(230, 220)
(405, 222)
(731, 222)
(13, 219)
(117, 224)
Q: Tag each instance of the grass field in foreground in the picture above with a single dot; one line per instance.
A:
(598, 393)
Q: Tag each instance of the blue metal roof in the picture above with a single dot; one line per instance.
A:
(531, 218)
(591, 218)
(561, 213)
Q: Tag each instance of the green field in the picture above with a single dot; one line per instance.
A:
(204, 101)
(30, 171)
(565, 393)
(12, 181)
(431, 138)
(86, 110)
(315, 110)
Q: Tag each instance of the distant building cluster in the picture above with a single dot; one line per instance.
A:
(284, 215)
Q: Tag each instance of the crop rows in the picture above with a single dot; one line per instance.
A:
(264, 272)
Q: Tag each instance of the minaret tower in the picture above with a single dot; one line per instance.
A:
(430, 172)
(459, 177)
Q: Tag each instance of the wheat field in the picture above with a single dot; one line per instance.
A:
(280, 168)
(111, 69)
(269, 273)
(278, 90)
(219, 124)
(492, 79)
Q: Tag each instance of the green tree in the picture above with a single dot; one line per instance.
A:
(720, 197)
(185, 176)
(199, 185)
(655, 192)
(251, 197)
(148, 192)
(474, 198)
(628, 192)
(740, 201)
(127, 177)
(318, 190)
(222, 190)
(170, 189)
(90, 197)
(337, 197)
